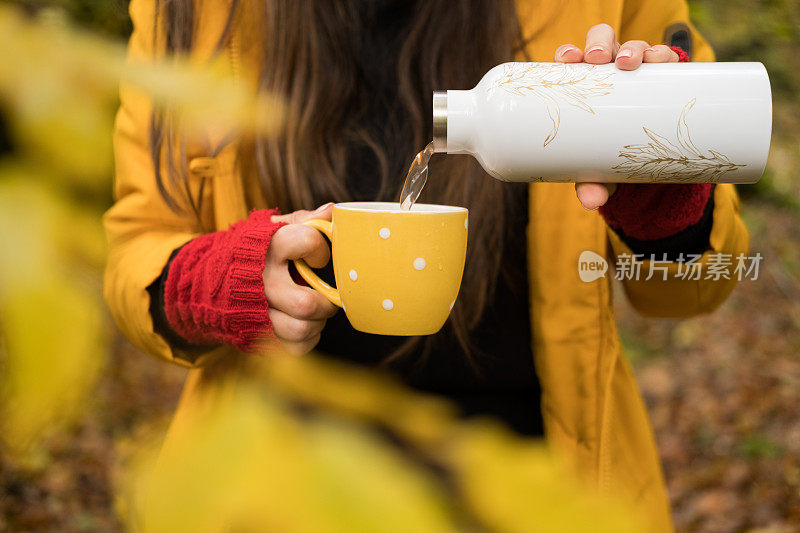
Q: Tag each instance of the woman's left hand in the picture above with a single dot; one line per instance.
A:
(602, 47)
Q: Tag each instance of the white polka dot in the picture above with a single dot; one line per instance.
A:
(388, 304)
(452, 304)
(353, 275)
(465, 223)
(419, 263)
(384, 233)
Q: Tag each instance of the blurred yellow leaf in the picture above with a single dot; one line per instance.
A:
(51, 323)
(515, 485)
(322, 470)
(60, 89)
(249, 464)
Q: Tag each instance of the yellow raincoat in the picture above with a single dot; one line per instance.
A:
(592, 408)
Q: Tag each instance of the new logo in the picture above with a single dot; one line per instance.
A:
(591, 266)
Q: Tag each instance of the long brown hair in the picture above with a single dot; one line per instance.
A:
(309, 58)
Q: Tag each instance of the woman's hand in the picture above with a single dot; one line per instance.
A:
(297, 313)
(602, 47)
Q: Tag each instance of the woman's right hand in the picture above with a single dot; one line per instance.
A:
(297, 313)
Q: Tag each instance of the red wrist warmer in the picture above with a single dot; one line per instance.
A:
(654, 211)
(214, 292)
(683, 57)
(651, 211)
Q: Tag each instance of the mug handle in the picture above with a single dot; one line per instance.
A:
(307, 274)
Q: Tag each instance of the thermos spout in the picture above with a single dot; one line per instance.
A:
(440, 121)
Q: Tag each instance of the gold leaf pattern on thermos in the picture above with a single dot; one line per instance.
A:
(661, 160)
(554, 84)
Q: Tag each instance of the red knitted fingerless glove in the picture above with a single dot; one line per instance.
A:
(651, 211)
(646, 211)
(683, 57)
(214, 292)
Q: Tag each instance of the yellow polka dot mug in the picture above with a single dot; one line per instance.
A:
(397, 272)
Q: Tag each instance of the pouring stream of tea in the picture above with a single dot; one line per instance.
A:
(416, 178)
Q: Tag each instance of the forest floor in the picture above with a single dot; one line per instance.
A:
(723, 391)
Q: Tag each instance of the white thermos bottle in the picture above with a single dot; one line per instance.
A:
(671, 122)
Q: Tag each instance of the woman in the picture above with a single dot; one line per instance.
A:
(528, 342)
